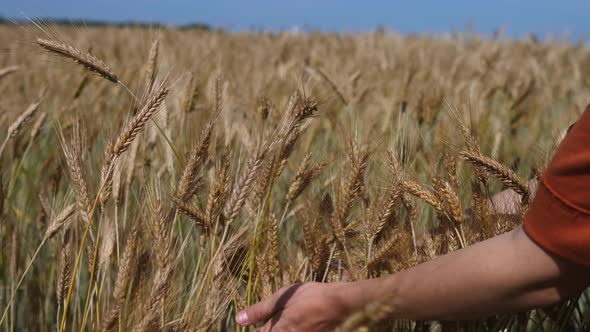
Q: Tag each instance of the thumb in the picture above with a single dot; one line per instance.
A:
(260, 311)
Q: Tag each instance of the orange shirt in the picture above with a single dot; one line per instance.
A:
(559, 217)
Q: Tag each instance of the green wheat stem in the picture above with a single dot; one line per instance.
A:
(79, 257)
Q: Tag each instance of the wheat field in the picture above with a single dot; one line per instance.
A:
(162, 179)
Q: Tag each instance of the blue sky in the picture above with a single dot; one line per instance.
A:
(428, 16)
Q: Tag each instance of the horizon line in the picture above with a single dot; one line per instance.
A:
(499, 33)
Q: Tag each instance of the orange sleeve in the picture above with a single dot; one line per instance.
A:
(559, 217)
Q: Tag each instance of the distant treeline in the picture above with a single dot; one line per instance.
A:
(96, 23)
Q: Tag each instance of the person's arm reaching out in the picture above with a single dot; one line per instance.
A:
(507, 273)
(543, 262)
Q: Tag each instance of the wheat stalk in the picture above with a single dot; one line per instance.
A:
(37, 126)
(81, 86)
(2, 193)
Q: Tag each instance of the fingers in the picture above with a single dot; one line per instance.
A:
(260, 311)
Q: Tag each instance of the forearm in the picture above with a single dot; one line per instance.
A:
(508, 273)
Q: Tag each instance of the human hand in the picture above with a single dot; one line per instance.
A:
(306, 307)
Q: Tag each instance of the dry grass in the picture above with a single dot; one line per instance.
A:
(257, 161)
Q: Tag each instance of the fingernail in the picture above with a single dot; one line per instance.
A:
(242, 318)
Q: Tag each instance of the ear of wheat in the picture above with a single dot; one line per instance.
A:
(137, 124)
(303, 177)
(85, 59)
(197, 158)
(58, 221)
(424, 194)
(73, 152)
(500, 172)
(63, 280)
(123, 141)
(151, 70)
(16, 126)
(244, 185)
(351, 189)
(127, 266)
